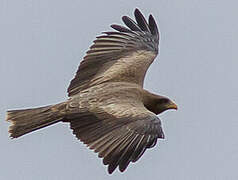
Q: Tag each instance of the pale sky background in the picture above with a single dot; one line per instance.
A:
(41, 45)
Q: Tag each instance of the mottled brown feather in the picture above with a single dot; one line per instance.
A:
(119, 131)
(116, 52)
(108, 108)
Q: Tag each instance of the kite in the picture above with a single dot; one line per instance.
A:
(107, 108)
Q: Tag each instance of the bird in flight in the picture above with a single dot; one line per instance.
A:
(108, 109)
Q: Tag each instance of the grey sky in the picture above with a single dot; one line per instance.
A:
(42, 43)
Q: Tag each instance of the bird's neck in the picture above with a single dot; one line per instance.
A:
(150, 101)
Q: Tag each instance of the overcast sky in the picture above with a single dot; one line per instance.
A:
(41, 45)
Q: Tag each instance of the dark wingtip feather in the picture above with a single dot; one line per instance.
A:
(141, 21)
(131, 24)
(121, 28)
(153, 26)
(111, 169)
(140, 25)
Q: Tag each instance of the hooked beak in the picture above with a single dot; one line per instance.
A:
(172, 105)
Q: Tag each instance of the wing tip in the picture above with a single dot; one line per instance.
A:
(153, 26)
(144, 25)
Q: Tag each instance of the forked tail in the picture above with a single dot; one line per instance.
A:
(28, 120)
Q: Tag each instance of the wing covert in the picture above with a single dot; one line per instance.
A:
(119, 51)
(119, 133)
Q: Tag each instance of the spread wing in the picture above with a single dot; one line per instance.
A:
(121, 55)
(119, 132)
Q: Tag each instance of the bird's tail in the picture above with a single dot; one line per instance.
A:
(28, 120)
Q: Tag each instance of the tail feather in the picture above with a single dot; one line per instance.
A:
(28, 120)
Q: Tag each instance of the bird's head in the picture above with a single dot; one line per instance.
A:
(162, 104)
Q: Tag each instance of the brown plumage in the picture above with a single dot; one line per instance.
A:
(108, 109)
